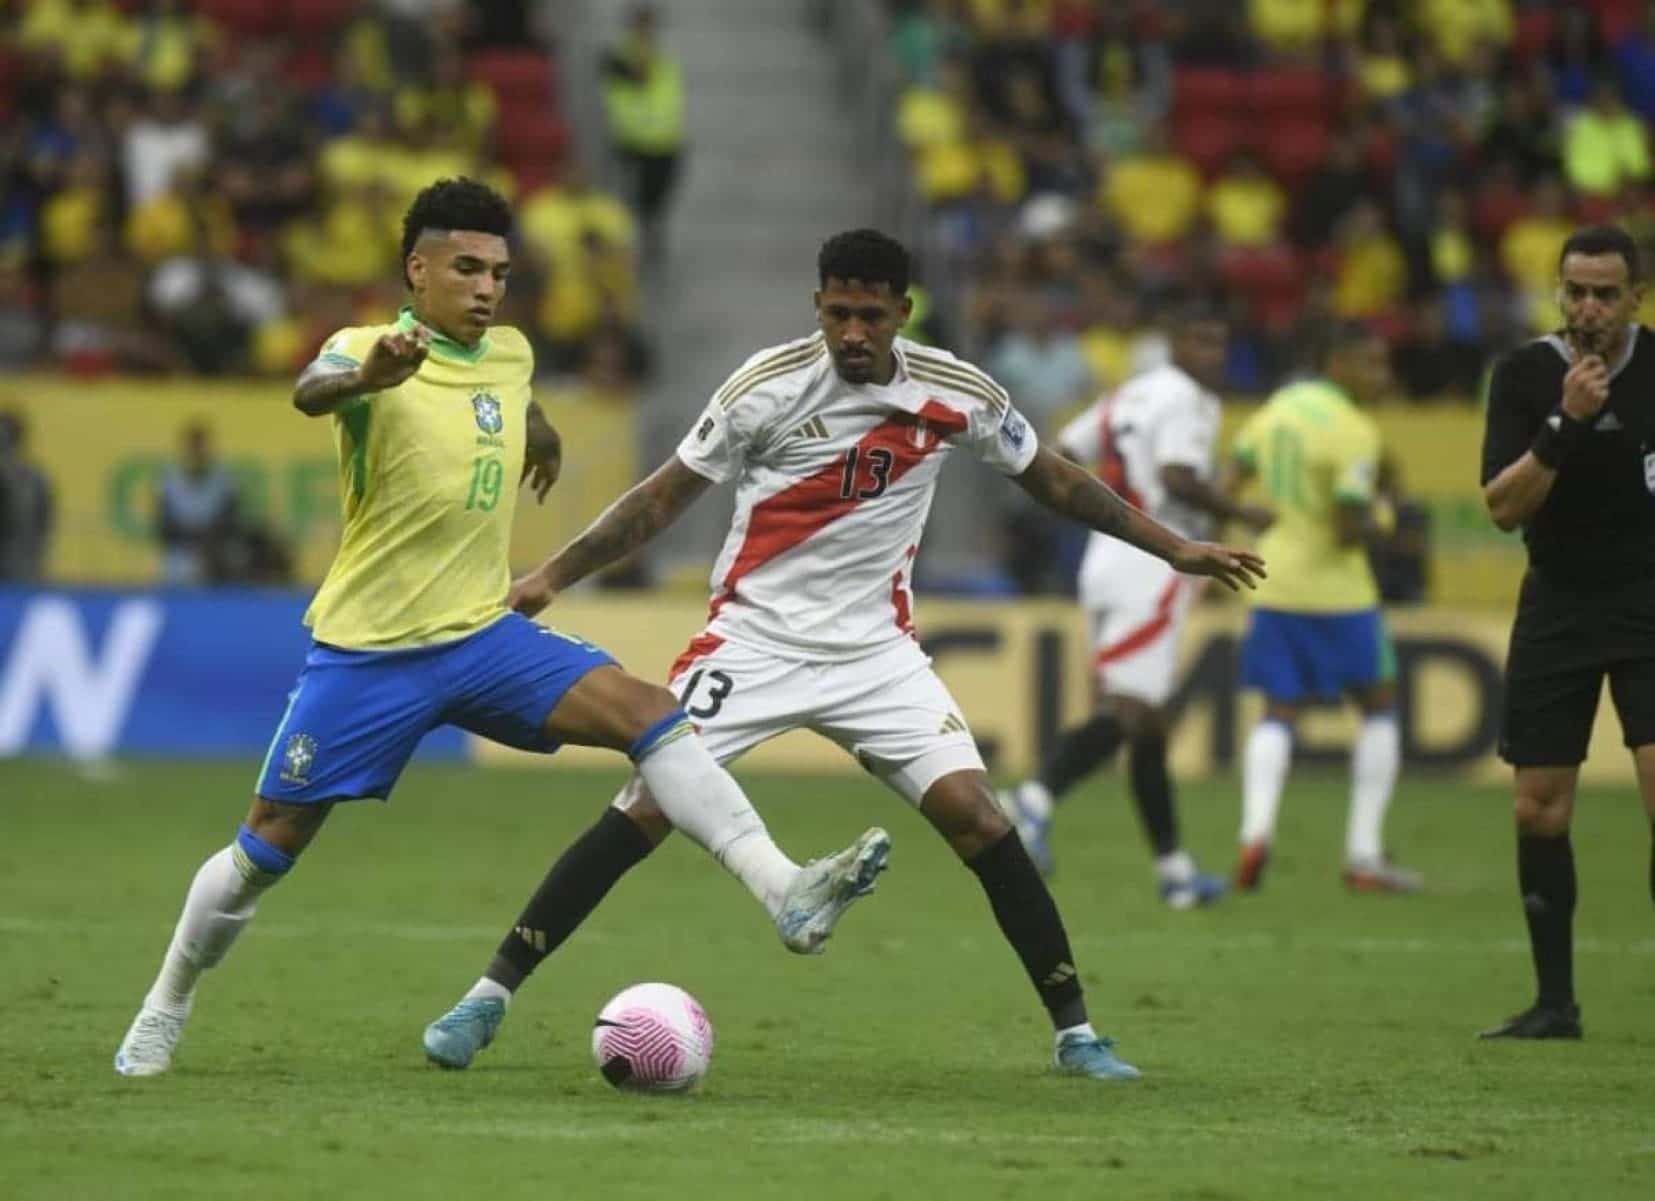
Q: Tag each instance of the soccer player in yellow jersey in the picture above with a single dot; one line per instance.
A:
(1316, 632)
(435, 426)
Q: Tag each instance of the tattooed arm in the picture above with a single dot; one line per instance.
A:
(1074, 492)
(641, 513)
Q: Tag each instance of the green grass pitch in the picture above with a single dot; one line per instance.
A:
(1298, 1044)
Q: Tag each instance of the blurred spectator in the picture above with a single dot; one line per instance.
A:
(926, 34)
(1429, 363)
(1525, 134)
(1336, 187)
(450, 100)
(1529, 252)
(1298, 28)
(644, 97)
(22, 330)
(1635, 60)
(195, 511)
(1114, 83)
(1155, 193)
(1605, 145)
(1246, 206)
(168, 43)
(1382, 59)
(1462, 28)
(1040, 363)
(1574, 54)
(210, 304)
(168, 136)
(83, 38)
(1372, 273)
(25, 505)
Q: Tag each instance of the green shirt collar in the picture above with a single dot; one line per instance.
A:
(442, 343)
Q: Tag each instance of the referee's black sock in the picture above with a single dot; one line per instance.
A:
(1652, 861)
(1081, 750)
(1546, 879)
(579, 879)
(1152, 791)
(1029, 919)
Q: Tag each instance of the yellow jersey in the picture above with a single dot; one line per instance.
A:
(1312, 449)
(428, 475)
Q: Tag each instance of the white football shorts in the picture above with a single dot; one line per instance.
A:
(888, 709)
(1135, 606)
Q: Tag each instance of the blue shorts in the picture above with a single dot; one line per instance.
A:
(1302, 657)
(355, 717)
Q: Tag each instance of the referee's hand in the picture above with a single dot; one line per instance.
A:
(1586, 388)
(394, 357)
(1233, 567)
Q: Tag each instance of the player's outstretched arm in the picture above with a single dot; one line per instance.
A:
(1067, 489)
(644, 511)
(324, 387)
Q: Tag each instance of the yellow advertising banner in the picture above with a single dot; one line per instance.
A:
(1021, 673)
(105, 444)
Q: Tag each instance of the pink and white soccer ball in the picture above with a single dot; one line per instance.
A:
(653, 1038)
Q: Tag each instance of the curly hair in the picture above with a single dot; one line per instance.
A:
(451, 204)
(866, 255)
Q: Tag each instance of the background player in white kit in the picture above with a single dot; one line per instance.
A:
(834, 442)
(1154, 440)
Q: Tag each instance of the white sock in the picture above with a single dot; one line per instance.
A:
(1036, 798)
(1374, 763)
(1263, 773)
(1176, 868)
(222, 898)
(1084, 1030)
(703, 800)
(489, 988)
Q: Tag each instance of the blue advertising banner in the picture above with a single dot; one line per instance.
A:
(179, 672)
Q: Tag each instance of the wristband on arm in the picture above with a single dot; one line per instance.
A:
(1559, 435)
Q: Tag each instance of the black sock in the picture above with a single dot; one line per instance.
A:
(571, 890)
(1029, 919)
(1080, 752)
(1546, 879)
(1652, 861)
(1152, 790)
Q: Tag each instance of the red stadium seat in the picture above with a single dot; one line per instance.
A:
(1207, 141)
(1617, 19)
(1534, 30)
(1495, 208)
(317, 20)
(255, 18)
(1272, 278)
(1200, 91)
(308, 69)
(531, 139)
(517, 76)
(1294, 149)
(1297, 93)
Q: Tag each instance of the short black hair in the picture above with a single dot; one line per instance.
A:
(451, 204)
(1604, 239)
(866, 255)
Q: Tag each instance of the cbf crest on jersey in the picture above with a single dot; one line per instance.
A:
(487, 407)
(297, 758)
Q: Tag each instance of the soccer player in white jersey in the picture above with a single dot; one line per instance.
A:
(1154, 441)
(834, 443)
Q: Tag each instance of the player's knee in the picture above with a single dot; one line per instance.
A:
(1545, 812)
(642, 708)
(968, 819)
(281, 829)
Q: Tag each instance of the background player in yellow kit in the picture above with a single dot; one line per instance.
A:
(1316, 632)
(434, 425)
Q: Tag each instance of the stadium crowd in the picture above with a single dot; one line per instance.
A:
(214, 187)
(1412, 163)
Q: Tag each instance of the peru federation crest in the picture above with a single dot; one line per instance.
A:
(487, 408)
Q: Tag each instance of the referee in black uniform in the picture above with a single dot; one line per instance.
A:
(1569, 456)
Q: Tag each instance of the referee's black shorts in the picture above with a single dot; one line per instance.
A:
(1563, 643)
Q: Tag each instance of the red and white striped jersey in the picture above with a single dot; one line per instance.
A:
(833, 484)
(1160, 418)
